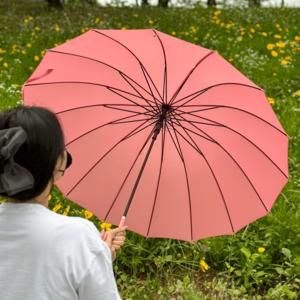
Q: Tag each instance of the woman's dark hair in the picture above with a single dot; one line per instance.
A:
(45, 143)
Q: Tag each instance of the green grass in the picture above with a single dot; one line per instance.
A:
(173, 263)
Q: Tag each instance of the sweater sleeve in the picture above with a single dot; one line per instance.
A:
(99, 283)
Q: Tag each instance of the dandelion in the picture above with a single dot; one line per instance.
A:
(49, 197)
(298, 93)
(207, 287)
(288, 58)
(231, 59)
(43, 52)
(252, 30)
(208, 34)
(57, 207)
(195, 38)
(242, 29)
(123, 28)
(270, 46)
(66, 210)
(240, 38)
(106, 226)
(284, 62)
(297, 38)
(5, 27)
(57, 28)
(135, 15)
(82, 30)
(25, 20)
(97, 20)
(86, 28)
(187, 33)
(36, 58)
(36, 28)
(102, 22)
(88, 214)
(274, 53)
(173, 33)
(30, 18)
(261, 249)
(16, 85)
(257, 25)
(271, 101)
(250, 35)
(274, 74)
(150, 22)
(243, 32)
(281, 45)
(264, 34)
(277, 36)
(23, 52)
(5, 65)
(277, 25)
(30, 68)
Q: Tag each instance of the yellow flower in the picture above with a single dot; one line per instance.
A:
(271, 101)
(288, 58)
(57, 28)
(88, 214)
(187, 33)
(257, 25)
(243, 32)
(97, 20)
(274, 53)
(261, 249)
(150, 22)
(277, 36)
(55, 45)
(106, 226)
(270, 46)
(135, 15)
(36, 36)
(173, 33)
(32, 33)
(57, 207)
(195, 38)
(49, 197)
(208, 34)
(66, 210)
(242, 29)
(207, 287)
(264, 33)
(101, 22)
(251, 36)
(25, 20)
(42, 52)
(36, 58)
(217, 52)
(240, 38)
(86, 28)
(281, 45)
(82, 30)
(123, 28)
(277, 25)
(28, 45)
(231, 59)
(284, 62)
(266, 275)
(252, 30)
(5, 65)
(283, 9)
(30, 68)
(274, 74)
(298, 93)
(297, 38)
(5, 27)
(36, 28)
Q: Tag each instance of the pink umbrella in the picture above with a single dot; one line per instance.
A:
(218, 164)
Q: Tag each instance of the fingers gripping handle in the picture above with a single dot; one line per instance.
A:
(120, 225)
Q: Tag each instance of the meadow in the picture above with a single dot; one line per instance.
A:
(262, 260)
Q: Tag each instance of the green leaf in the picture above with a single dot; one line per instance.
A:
(255, 256)
(286, 252)
(279, 270)
(238, 272)
(260, 273)
(246, 252)
(169, 258)
(123, 277)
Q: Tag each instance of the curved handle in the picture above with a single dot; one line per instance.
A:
(120, 225)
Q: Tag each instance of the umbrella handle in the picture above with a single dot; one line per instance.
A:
(120, 225)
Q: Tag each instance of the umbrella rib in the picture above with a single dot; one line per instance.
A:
(127, 98)
(214, 178)
(138, 92)
(100, 63)
(238, 166)
(190, 112)
(171, 117)
(101, 157)
(242, 136)
(165, 71)
(158, 180)
(141, 129)
(201, 60)
(128, 174)
(188, 186)
(210, 87)
(108, 106)
(134, 57)
(150, 87)
(174, 142)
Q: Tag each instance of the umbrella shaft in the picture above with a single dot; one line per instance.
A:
(157, 129)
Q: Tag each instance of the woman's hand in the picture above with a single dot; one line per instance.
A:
(115, 242)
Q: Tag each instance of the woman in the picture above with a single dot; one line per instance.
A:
(45, 255)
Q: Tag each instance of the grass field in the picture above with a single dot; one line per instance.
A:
(261, 261)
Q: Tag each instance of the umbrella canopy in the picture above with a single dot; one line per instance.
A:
(219, 162)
